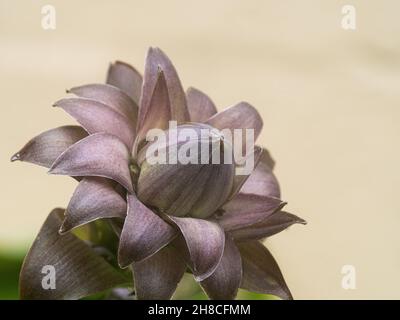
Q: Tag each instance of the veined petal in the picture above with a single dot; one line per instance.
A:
(159, 110)
(262, 180)
(261, 273)
(157, 277)
(95, 117)
(127, 78)
(111, 96)
(99, 155)
(45, 148)
(94, 198)
(239, 116)
(224, 283)
(144, 233)
(79, 271)
(155, 60)
(205, 241)
(247, 209)
(200, 106)
(273, 224)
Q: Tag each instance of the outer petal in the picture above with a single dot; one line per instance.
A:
(144, 233)
(225, 281)
(200, 106)
(44, 149)
(248, 209)
(99, 155)
(78, 270)
(95, 117)
(274, 224)
(261, 273)
(262, 181)
(93, 199)
(205, 241)
(127, 78)
(239, 116)
(112, 96)
(157, 277)
(155, 60)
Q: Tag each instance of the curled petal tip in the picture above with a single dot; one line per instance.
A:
(15, 157)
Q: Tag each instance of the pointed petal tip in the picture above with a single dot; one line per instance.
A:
(15, 157)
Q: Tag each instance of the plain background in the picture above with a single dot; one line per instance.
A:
(329, 99)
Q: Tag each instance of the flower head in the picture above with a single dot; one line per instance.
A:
(183, 208)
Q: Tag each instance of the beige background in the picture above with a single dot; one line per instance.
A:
(329, 98)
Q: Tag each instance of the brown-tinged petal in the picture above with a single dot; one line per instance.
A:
(262, 180)
(110, 96)
(159, 111)
(273, 224)
(155, 60)
(45, 148)
(200, 105)
(247, 209)
(99, 155)
(205, 241)
(127, 78)
(157, 277)
(239, 116)
(144, 233)
(261, 273)
(79, 272)
(95, 117)
(94, 198)
(224, 283)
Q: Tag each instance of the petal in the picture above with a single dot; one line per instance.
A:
(239, 116)
(95, 117)
(155, 60)
(247, 209)
(157, 277)
(262, 181)
(127, 78)
(99, 155)
(94, 198)
(274, 224)
(261, 273)
(200, 106)
(45, 148)
(159, 111)
(224, 283)
(111, 96)
(79, 272)
(144, 233)
(205, 241)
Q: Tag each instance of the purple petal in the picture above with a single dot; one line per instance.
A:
(262, 181)
(156, 60)
(127, 78)
(239, 116)
(200, 106)
(205, 241)
(99, 155)
(274, 224)
(247, 209)
(111, 96)
(261, 273)
(224, 283)
(45, 148)
(94, 198)
(95, 117)
(78, 270)
(144, 233)
(157, 277)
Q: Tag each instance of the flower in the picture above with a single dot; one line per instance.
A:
(169, 218)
